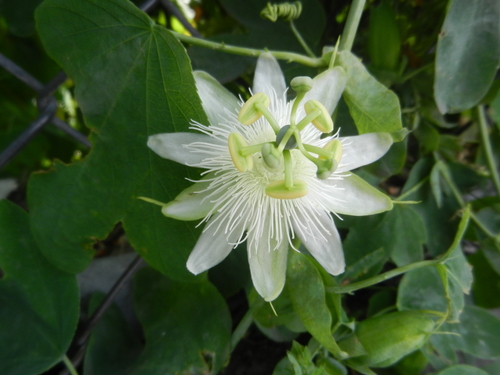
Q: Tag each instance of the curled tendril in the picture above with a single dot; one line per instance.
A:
(287, 11)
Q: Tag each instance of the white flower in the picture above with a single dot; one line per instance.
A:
(237, 204)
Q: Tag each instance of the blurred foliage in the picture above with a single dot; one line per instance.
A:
(421, 66)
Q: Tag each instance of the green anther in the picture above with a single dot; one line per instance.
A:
(291, 143)
(279, 190)
(271, 156)
(323, 122)
(236, 143)
(301, 84)
(335, 147)
(250, 112)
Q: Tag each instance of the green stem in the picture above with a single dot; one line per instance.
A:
(301, 40)
(382, 277)
(281, 55)
(461, 202)
(69, 365)
(483, 128)
(269, 116)
(351, 25)
(413, 189)
(318, 150)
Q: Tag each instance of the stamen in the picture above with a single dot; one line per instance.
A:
(251, 111)
(323, 122)
(235, 143)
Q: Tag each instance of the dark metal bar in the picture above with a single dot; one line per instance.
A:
(172, 9)
(148, 5)
(106, 303)
(54, 84)
(20, 142)
(80, 137)
(20, 73)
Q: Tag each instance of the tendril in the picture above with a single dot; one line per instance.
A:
(287, 11)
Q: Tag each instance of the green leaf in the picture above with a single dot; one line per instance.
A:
(186, 328)
(477, 334)
(19, 15)
(400, 232)
(307, 293)
(422, 289)
(462, 370)
(389, 164)
(373, 106)
(39, 303)
(133, 79)
(440, 223)
(486, 284)
(468, 54)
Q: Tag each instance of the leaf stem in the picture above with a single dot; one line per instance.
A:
(282, 55)
(69, 365)
(301, 40)
(413, 189)
(483, 129)
(351, 25)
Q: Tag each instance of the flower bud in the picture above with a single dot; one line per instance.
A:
(324, 121)
(271, 156)
(249, 113)
(279, 190)
(388, 338)
(235, 143)
(301, 84)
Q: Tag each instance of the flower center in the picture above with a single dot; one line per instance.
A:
(277, 154)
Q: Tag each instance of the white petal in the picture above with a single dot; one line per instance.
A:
(268, 76)
(212, 247)
(215, 98)
(357, 197)
(172, 146)
(327, 88)
(319, 235)
(191, 204)
(363, 149)
(268, 266)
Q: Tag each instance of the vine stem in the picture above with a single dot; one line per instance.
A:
(69, 365)
(483, 129)
(456, 193)
(281, 55)
(409, 267)
(301, 40)
(351, 25)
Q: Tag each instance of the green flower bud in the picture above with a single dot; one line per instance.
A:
(279, 190)
(250, 112)
(324, 121)
(235, 143)
(271, 156)
(301, 84)
(387, 338)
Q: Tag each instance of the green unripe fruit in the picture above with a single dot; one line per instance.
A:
(388, 338)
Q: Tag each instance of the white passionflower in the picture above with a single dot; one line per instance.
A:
(270, 185)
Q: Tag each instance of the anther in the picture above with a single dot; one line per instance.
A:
(250, 112)
(323, 122)
(236, 143)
